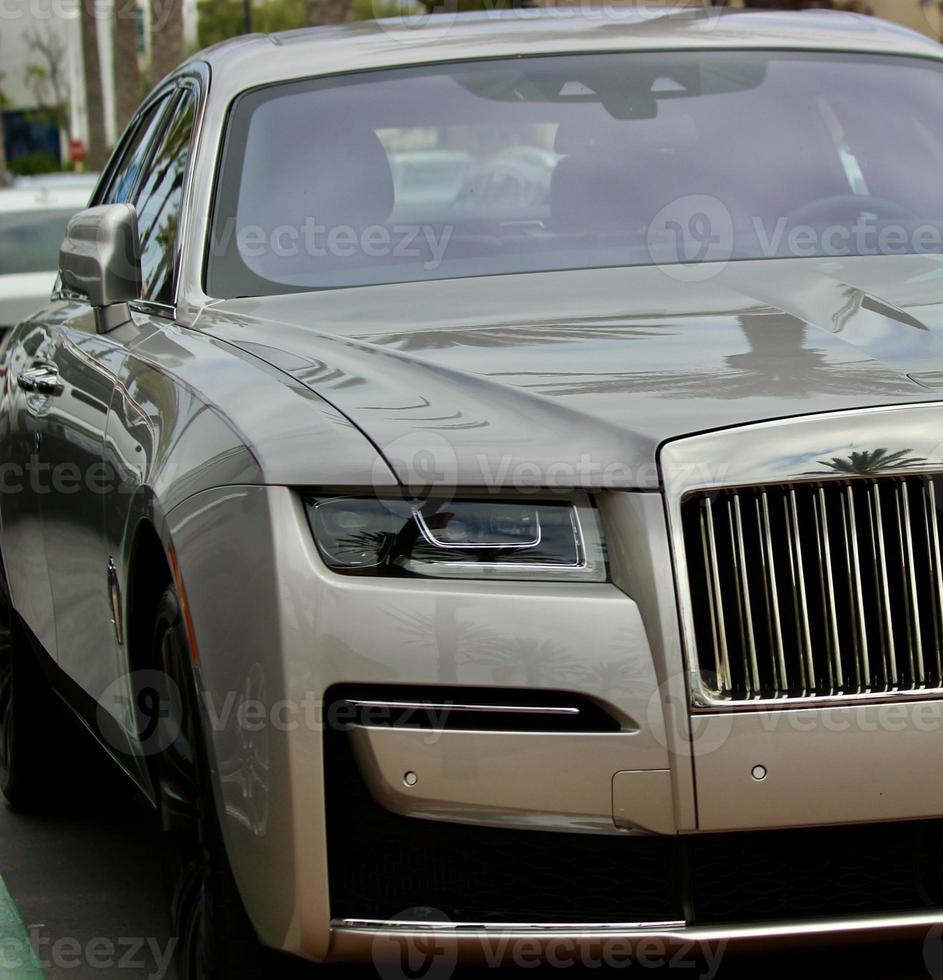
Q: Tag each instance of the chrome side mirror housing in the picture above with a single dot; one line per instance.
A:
(100, 258)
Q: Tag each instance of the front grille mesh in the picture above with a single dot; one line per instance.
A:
(817, 589)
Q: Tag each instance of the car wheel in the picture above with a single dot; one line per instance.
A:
(216, 940)
(31, 721)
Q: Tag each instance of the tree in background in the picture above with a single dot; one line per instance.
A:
(166, 37)
(4, 178)
(126, 66)
(46, 76)
(97, 150)
(855, 6)
(328, 12)
(376, 9)
(220, 19)
(339, 11)
(460, 6)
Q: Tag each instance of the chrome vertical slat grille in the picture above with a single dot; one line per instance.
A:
(811, 590)
(860, 614)
(935, 598)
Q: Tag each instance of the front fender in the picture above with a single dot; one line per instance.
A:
(276, 631)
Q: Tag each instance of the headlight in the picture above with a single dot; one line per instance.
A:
(460, 538)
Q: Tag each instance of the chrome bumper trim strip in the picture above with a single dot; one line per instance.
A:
(354, 938)
(489, 928)
(506, 709)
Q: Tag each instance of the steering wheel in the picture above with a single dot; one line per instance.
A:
(830, 208)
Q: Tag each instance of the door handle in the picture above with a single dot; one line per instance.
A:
(41, 380)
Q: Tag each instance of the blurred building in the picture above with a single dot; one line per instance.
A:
(41, 59)
(41, 69)
(921, 15)
(925, 16)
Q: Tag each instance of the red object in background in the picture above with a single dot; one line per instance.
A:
(77, 151)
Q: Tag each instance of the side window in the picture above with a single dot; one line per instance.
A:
(160, 198)
(125, 177)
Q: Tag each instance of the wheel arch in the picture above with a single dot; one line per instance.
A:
(149, 574)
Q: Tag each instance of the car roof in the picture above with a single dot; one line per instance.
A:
(44, 198)
(259, 58)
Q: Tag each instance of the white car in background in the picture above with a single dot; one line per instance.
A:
(70, 181)
(33, 218)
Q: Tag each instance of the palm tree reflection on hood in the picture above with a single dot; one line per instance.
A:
(871, 462)
(778, 364)
(529, 334)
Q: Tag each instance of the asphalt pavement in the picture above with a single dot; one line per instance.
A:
(89, 893)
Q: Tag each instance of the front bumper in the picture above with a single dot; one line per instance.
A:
(396, 874)
(288, 632)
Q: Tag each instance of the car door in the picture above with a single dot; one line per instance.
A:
(23, 481)
(80, 361)
(86, 574)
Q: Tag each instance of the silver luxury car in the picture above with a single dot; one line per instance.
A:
(542, 559)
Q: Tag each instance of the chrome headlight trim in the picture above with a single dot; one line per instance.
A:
(404, 543)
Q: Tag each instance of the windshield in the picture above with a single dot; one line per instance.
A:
(581, 161)
(30, 240)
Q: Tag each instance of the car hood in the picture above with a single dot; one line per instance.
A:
(576, 378)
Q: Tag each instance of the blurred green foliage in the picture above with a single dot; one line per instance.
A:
(35, 163)
(432, 6)
(378, 9)
(222, 19)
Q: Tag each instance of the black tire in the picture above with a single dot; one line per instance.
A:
(216, 940)
(31, 721)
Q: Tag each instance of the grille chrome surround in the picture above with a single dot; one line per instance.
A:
(817, 590)
(832, 612)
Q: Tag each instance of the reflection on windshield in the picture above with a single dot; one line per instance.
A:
(575, 162)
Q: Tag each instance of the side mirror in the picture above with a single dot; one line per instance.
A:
(101, 258)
